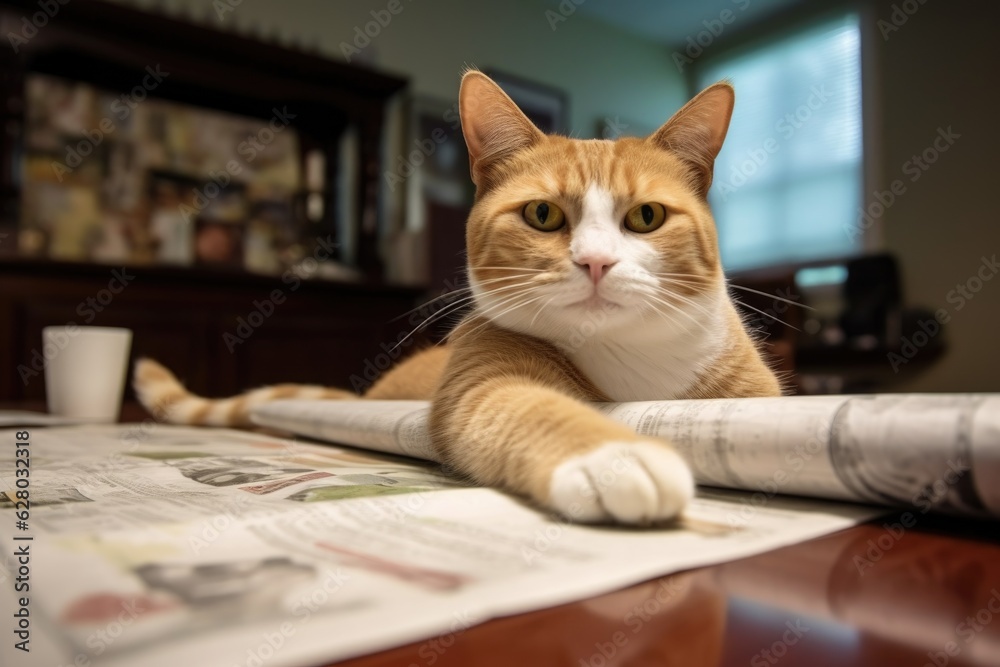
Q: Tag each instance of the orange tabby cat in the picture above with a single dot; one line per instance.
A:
(595, 273)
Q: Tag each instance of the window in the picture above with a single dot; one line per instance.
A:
(788, 181)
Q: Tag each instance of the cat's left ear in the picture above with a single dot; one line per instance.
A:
(494, 127)
(696, 132)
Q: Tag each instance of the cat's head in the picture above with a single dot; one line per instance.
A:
(615, 233)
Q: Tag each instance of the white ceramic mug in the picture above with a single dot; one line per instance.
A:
(85, 371)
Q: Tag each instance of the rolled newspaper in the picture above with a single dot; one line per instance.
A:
(931, 452)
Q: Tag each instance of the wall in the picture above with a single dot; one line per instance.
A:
(938, 70)
(605, 70)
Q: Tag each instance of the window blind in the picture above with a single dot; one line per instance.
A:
(789, 178)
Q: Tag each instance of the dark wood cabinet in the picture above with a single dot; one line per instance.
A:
(201, 324)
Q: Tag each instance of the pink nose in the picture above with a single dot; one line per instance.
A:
(597, 267)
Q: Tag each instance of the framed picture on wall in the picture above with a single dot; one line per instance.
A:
(547, 107)
(436, 128)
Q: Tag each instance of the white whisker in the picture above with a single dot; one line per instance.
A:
(507, 298)
(540, 309)
(665, 315)
(458, 291)
(501, 278)
(490, 319)
(452, 307)
(427, 303)
(772, 317)
(679, 310)
(771, 296)
(679, 281)
(684, 299)
(700, 279)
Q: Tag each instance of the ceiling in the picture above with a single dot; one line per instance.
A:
(671, 22)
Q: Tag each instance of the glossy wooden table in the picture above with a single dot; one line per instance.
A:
(864, 596)
(870, 595)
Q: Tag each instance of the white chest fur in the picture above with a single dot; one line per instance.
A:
(659, 361)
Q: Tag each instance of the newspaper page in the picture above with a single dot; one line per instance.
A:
(162, 545)
(932, 451)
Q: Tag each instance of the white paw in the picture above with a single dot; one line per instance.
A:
(628, 482)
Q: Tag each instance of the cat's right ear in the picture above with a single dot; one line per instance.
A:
(696, 132)
(494, 127)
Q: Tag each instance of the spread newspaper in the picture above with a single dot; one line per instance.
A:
(159, 545)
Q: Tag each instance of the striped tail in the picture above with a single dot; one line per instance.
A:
(162, 394)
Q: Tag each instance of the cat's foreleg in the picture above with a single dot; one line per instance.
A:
(541, 442)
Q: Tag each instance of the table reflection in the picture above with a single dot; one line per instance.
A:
(870, 595)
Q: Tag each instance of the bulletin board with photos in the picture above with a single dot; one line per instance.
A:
(126, 178)
(143, 136)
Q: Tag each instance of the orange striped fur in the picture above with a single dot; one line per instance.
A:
(592, 310)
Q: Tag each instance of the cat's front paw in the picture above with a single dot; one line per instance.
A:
(634, 482)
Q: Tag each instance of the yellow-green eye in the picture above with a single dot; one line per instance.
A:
(544, 215)
(646, 217)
